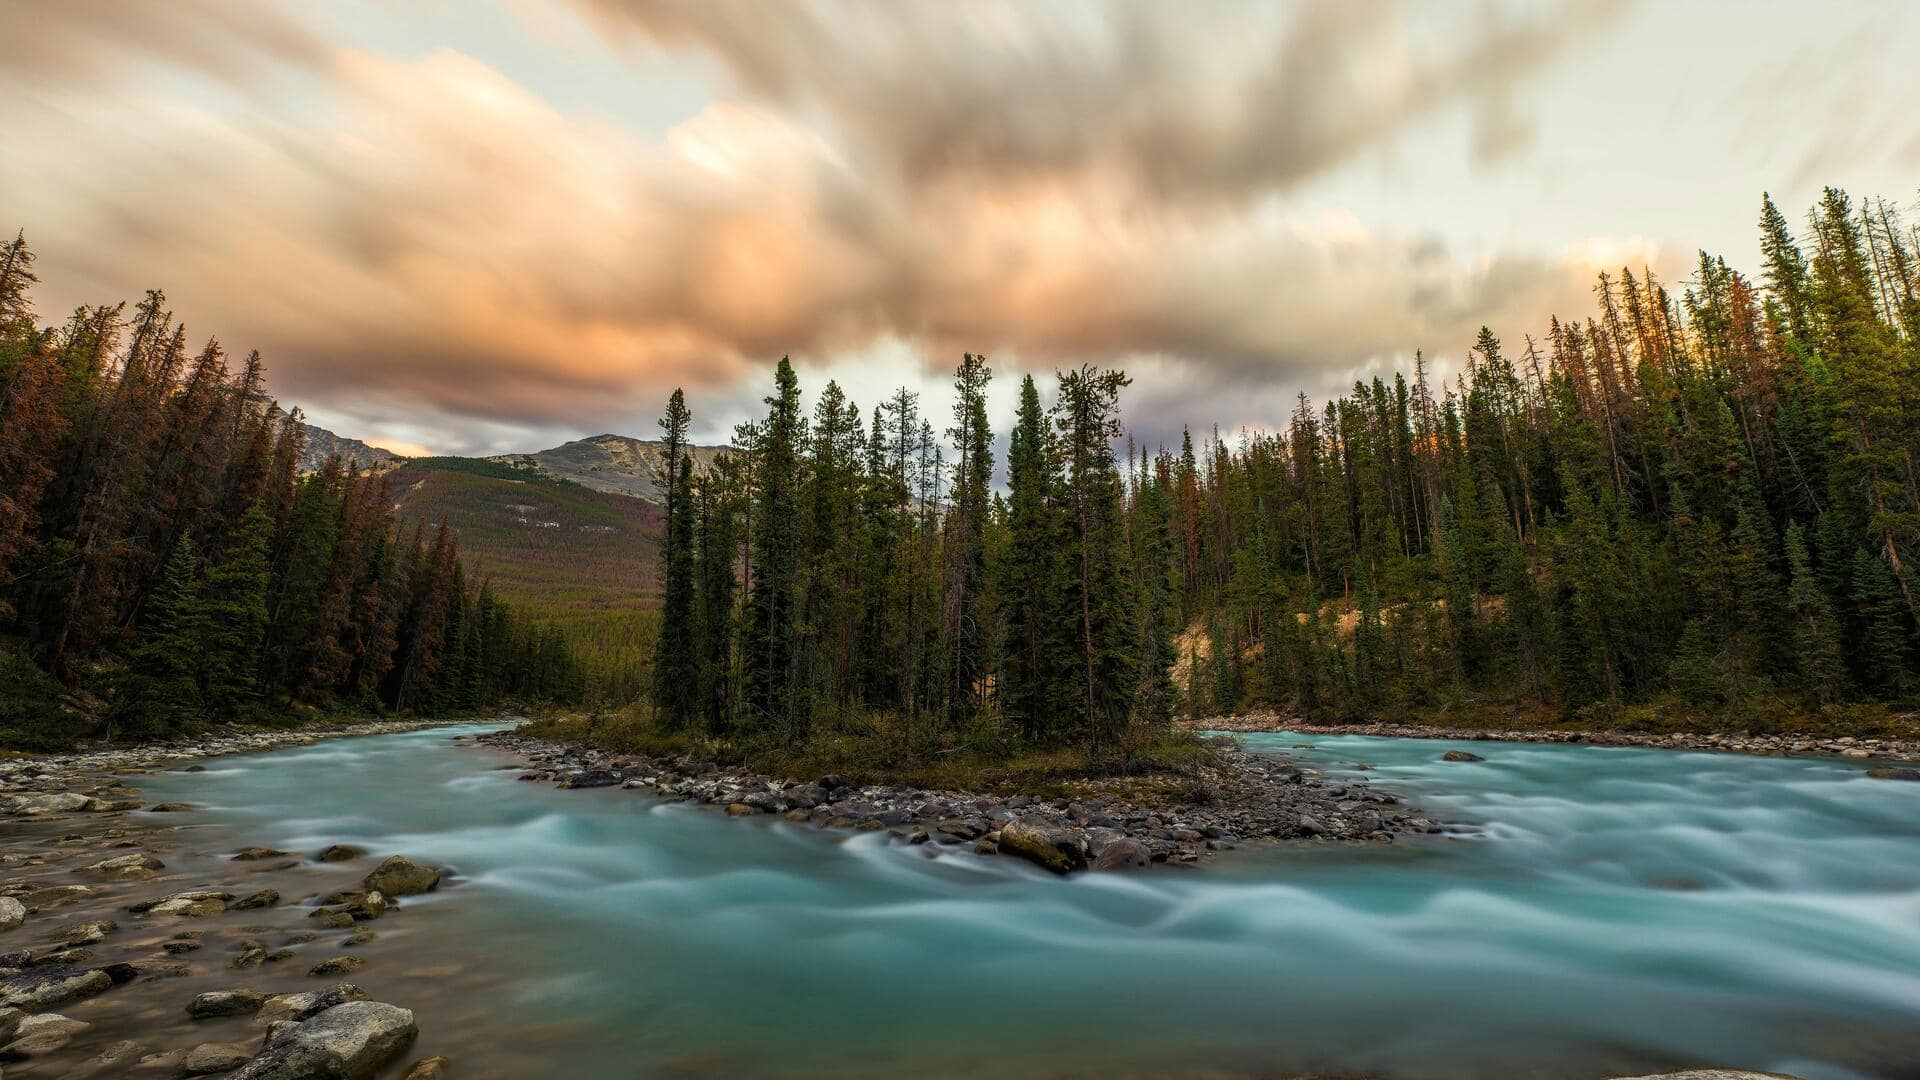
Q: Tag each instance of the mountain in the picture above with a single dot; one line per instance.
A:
(323, 444)
(616, 464)
(586, 560)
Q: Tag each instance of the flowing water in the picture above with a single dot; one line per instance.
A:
(1618, 910)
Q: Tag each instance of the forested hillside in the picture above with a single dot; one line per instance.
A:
(583, 561)
(164, 564)
(1702, 502)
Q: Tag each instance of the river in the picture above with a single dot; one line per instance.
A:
(1616, 911)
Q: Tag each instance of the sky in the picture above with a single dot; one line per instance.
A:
(479, 226)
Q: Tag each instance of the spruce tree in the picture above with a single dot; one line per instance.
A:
(767, 640)
(675, 665)
(158, 692)
(1816, 635)
(1036, 621)
(231, 621)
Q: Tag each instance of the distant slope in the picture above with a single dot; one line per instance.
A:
(617, 464)
(322, 444)
(586, 559)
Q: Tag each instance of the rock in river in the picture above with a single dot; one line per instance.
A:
(46, 987)
(12, 913)
(1126, 853)
(216, 1003)
(1460, 755)
(302, 1006)
(40, 1035)
(125, 867)
(340, 853)
(213, 1058)
(1890, 773)
(346, 1042)
(401, 876)
(1059, 850)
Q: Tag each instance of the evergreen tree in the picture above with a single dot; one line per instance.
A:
(676, 666)
(766, 648)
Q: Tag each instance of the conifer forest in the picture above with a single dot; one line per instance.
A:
(164, 566)
(1698, 495)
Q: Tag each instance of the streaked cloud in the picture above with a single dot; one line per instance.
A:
(1128, 182)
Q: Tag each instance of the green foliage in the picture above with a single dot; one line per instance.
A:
(165, 566)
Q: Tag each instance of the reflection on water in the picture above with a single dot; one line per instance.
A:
(1622, 910)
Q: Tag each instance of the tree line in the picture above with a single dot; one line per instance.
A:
(1706, 500)
(165, 564)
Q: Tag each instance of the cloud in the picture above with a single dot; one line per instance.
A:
(97, 40)
(1109, 184)
(1204, 100)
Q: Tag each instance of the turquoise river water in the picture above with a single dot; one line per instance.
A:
(1617, 911)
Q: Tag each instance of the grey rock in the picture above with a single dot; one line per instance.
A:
(40, 1035)
(347, 1042)
(115, 1060)
(1460, 755)
(216, 1003)
(302, 1006)
(125, 867)
(1125, 853)
(12, 913)
(45, 988)
(213, 1058)
(1034, 839)
(401, 876)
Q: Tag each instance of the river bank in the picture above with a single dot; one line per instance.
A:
(1766, 744)
(128, 949)
(1233, 798)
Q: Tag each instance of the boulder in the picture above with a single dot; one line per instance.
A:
(56, 896)
(1460, 755)
(401, 876)
(192, 905)
(213, 1058)
(89, 933)
(1059, 850)
(265, 898)
(46, 987)
(12, 913)
(1125, 853)
(1887, 772)
(340, 853)
(347, 1042)
(215, 1003)
(170, 808)
(40, 1035)
(592, 778)
(58, 802)
(1310, 826)
(125, 867)
(302, 1006)
(115, 1060)
(433, 1068)
(338, 965)
(255, 854)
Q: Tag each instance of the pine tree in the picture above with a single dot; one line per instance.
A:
(767, 640)
(1031, 677)
(675, 665)
(159, 690)
(1105, 669)
(1816, 634)
(230, 620)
